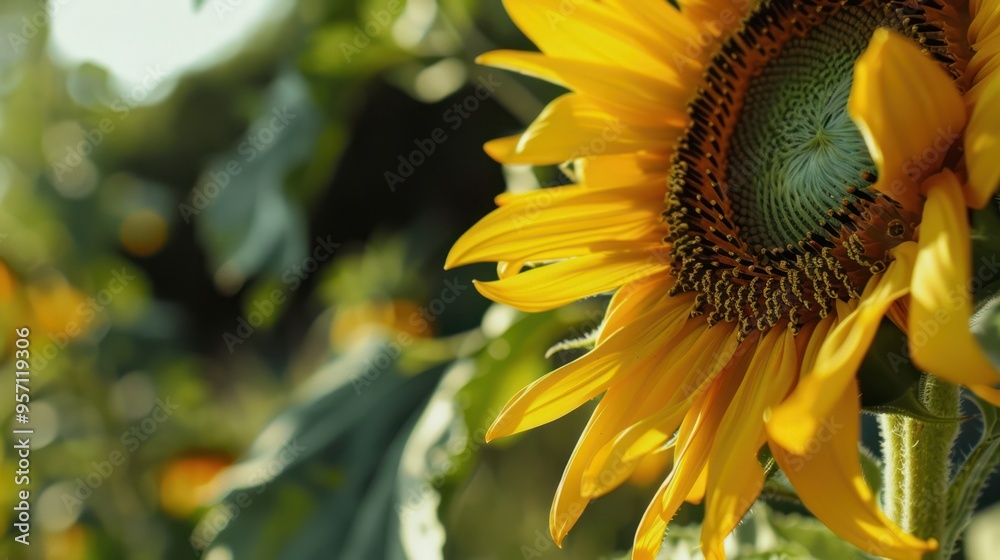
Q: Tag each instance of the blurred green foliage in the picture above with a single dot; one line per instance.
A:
(244, 344)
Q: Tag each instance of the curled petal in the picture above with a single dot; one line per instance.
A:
(827, 477)
(940, 303)
(893, 81)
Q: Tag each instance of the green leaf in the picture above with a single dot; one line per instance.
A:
(515, 356)
(969, 481)
(800, 531)
(985, 234)
(243, 213)
(985, 282)
(985, 322)
(320, 482)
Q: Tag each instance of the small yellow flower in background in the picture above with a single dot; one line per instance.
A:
(143, 233)
(47, 307)
(69, 544)
(190, 482)
(353, 322)
(759, 183)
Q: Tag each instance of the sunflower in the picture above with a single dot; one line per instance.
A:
(759, 183)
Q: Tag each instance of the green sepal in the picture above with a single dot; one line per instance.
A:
(910, 405)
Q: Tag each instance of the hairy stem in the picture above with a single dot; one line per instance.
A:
(918, 463)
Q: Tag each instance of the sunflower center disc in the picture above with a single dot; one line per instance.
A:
(770, 210)
(795, 151)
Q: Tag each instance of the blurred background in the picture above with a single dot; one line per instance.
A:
(224, 223)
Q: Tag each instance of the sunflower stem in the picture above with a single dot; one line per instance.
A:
(918, 463)
(891, 428)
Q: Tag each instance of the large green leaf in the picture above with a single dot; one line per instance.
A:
(245, 215)
(986, 322)
(971, 477)
(320, 481)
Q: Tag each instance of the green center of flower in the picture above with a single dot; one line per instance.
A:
(771, 212)
(795, 152)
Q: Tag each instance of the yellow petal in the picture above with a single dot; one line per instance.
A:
(985, 19)
(700, 427)
(984, 66)
(563, 222)
(633, 96)
(903, 103)
(735, 477)
(677, 30)
(634, 299)
(508, 269)
(839, 357)
(713, 18)
(575, 383)
(697, 492)
(623, 170)
(501, 149)
(940, 304)
(827, 477)
(594, 32)
(611, 413)
(572, 126)
(793, 422)
(685, 369)
(989, 394)
(984, 38)
(982, 146)
(652, 469)
(727, 504)
(555, 285)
